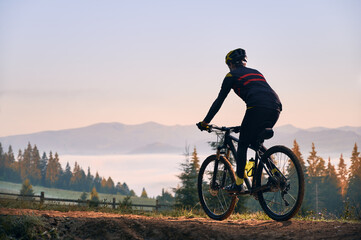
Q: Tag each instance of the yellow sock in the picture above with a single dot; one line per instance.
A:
(239, 180)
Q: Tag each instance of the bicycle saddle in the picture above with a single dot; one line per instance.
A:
(267, 133)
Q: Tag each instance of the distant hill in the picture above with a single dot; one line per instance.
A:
(151, 137)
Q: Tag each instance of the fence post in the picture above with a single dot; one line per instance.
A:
(156, 205)
(42, 198)
(113, 203)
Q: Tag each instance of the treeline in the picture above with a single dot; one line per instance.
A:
(331, 189)
(47, 171)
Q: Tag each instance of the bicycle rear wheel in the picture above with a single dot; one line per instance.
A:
(213, 176)
(285, 184)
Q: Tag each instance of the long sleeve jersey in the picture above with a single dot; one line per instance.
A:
(251, 86)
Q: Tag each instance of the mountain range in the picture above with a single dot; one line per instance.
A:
(151, 137)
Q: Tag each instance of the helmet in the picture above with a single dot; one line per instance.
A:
(236, 55)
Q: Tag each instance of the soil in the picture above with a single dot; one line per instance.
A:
(98, 225)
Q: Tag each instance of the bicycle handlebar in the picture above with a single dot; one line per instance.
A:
(236, 129)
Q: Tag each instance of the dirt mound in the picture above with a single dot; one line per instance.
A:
(97, 225)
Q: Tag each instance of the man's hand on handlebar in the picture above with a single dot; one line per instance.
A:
(203, 126)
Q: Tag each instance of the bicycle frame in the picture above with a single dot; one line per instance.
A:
(228, 146)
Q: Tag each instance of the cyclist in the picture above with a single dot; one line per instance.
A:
(263, 107)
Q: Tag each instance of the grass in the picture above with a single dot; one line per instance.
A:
(24, 227)
(8, 187)
(193, 213)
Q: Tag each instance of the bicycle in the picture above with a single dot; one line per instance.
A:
(277, 178)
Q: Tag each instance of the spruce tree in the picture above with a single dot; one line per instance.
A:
(330, 190)
(26, 163)
(315, 171)
(20, 162)
(89, 180)
(306, 205)
(67, 176)
(186, 195)
(11, 166)
(97, 181)
(342, 176)
(296, 150)
(43, 166)
(166, 198)
(354, 186)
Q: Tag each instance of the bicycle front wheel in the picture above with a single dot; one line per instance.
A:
(213, 176)
(284, 181)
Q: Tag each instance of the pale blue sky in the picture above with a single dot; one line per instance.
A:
(67, 64)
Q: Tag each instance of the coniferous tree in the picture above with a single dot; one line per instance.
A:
(94, 198)
(122, 189)
(59, 170)
(354, 187)
(6, 162)
(125, 189)
(166, 198)
(53, 171)
(342, 176)
(296, 150)
(110, 185)
(103, 185)
(11, 166)
(26, 163)
(67, 177)
(78, 179)
(43, 166)
(89, 180)
(186, 195)
(316, 166)
(26, 189)
(144, 194)
(315, 171)
(97, 181)
(330, 190)
(132, 193)
(35, 166)
(306, 204)
(20, 162)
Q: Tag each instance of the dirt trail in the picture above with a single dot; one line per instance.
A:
(97, 225)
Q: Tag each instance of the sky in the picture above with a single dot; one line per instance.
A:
(68, 64)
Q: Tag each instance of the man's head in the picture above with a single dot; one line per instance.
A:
(236, 58)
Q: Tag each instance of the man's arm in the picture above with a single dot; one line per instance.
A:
(226, 87)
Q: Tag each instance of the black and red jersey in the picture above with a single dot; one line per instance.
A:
(250, 85)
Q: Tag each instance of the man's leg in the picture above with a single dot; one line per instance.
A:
(254, 121)
(245, 136)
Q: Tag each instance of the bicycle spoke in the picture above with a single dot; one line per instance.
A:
(217, 203)
(281, 201)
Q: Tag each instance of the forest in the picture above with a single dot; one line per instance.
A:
(47, 171)
(329, 190)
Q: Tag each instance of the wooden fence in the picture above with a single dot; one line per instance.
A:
(113, 203)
